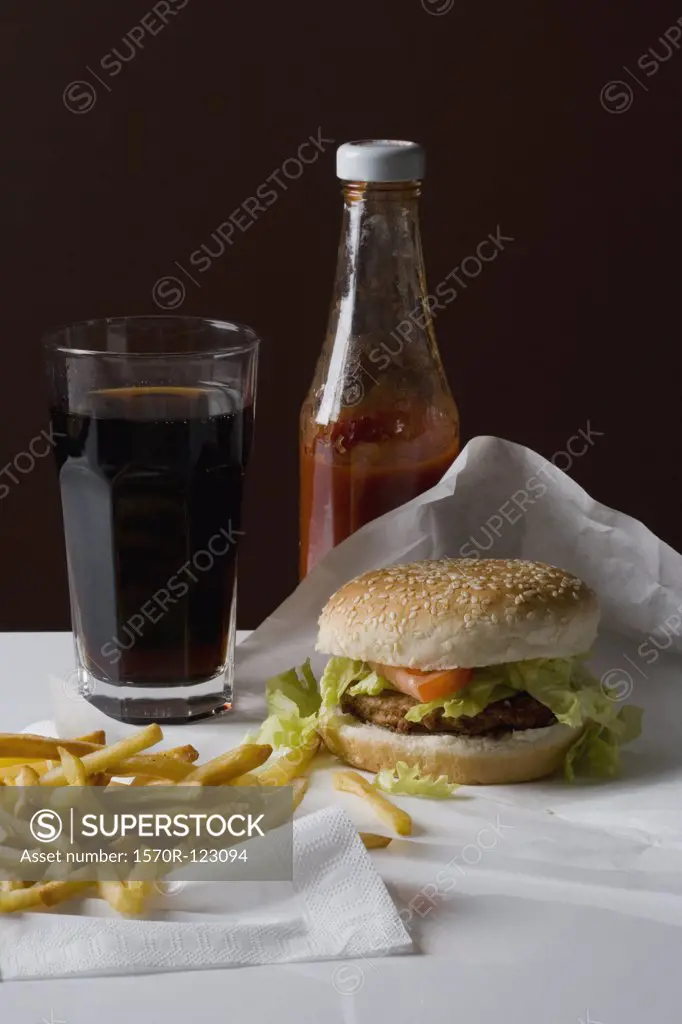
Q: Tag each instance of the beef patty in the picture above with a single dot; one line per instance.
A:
(389, 708)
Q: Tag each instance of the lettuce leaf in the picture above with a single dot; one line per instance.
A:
(338, 675)
(564, 685)
(597, 751)
(629, 723)
(371, 684)
(411, 782)
(568, 688)
(481, 691)
(293, 704)
(298, 685)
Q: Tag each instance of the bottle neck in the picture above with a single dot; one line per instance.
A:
(380, 324)
(386, 191)
(380, 269)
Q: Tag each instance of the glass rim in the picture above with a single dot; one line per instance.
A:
(249, 341)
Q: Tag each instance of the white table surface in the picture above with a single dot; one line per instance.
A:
(623, 967)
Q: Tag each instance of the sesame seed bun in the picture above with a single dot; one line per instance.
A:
(459, 613)
(470, 760)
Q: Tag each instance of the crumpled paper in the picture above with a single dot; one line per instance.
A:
(498, 500)
(502, 500)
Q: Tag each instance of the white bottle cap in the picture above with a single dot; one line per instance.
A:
(380, 160)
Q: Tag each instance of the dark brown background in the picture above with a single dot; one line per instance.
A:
(577, 320)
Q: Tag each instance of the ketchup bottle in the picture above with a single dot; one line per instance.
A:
(379, 425)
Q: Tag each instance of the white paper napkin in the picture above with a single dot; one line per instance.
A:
(337, 907)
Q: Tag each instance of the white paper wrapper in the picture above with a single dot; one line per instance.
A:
(498, 500)
(504, 501)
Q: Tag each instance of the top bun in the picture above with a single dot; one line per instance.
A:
(460, 613)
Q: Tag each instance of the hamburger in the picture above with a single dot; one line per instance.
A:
(472, 669)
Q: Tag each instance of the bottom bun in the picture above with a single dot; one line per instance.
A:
(471, 760)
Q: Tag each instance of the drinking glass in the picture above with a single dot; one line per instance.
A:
(152, 423)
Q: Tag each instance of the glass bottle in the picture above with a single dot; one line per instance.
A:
(379, 425)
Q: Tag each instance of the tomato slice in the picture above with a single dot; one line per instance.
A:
(425, 686)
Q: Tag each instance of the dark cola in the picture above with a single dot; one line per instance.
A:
(151, 484)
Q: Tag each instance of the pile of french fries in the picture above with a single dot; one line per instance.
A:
(27, 760)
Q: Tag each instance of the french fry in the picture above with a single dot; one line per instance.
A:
(289, 766)
(9, 772)
(39, 748)
(161, 773)
(85, 761)
(351, 782)
(374, 842)
(125, 898)
(187, 753)
(300, 788)
(27, 777)
(158, 770)
(106, 758)
(163, 769)
(73, 768)
(247, 779)
(230, 765)
(52, 893)
(142, 887)
(99, 779)
(98, 737)
(10, 767)
(46, 894)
